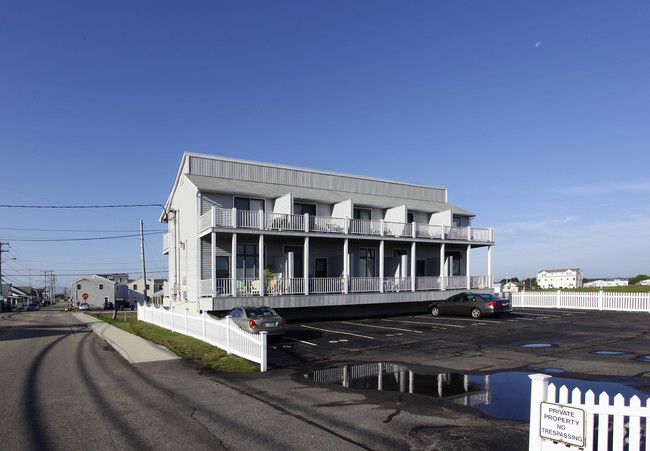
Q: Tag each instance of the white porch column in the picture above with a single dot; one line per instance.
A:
(305, 264)
(413, 260)
(260, 263)
(213, 266)
(381, 264)
(233, 266)
(346, 266)
(489, 267)
(467, 267)
(442, 267)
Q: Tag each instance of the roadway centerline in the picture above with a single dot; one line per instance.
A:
(337, 332)
(383, 327)
(7, 333)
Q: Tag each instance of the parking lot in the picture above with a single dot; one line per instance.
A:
(587, 343)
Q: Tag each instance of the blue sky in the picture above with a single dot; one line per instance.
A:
(535, 115)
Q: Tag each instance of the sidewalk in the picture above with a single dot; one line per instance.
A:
(133, 348)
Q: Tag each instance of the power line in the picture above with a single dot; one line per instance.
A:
(82, 206)
(82, 239)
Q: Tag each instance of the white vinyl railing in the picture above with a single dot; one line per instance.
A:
(277, 286)
(558, 420)
(600, 300)
(326, 285)
(219, 217)
(224, 333)
(333, 285)
(364, 284)
(397, 284)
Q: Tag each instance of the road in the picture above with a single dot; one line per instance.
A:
(64, 388)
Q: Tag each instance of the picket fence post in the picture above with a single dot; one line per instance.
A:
(264, 356)
(538, 389)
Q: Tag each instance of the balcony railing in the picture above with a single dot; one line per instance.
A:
(223, 218)
(336, 285)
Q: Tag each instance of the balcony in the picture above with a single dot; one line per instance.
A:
(337, 285)
(259, 220)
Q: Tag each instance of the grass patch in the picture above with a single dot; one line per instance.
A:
(212, 357)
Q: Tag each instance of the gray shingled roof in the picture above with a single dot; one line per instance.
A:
(238, 187)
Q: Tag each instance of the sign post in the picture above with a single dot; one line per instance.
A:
(562, 424)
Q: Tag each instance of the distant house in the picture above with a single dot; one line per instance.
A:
(511, 287)
(645, 282)
(14, 297)
(136, 289)
(607, 283)
(560, 278)
(95, 290)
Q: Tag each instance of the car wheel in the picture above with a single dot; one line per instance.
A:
(476, 313)
(435, 311)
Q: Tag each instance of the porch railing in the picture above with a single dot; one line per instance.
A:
(219, 217)
(337, 285)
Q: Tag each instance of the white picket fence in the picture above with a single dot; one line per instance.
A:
(600, 300)
(557, 421)
(224, 334)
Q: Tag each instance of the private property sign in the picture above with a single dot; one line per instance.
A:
(562, 424)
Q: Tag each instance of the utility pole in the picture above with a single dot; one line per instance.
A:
(2, 306)
(144, 271)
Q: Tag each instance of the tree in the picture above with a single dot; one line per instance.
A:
(637, 279)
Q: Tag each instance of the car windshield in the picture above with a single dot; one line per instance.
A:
(259, 312)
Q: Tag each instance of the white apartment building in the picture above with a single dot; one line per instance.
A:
(560, 278)
(607, 283)
(246, 232)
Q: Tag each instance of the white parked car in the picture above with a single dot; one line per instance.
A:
(84, 306)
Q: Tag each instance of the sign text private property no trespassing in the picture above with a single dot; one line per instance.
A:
(562, 424)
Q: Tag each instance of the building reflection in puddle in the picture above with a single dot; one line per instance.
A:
(459, 388)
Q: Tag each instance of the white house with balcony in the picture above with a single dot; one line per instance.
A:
(291, 237)
(560, 278)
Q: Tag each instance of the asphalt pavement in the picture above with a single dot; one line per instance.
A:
(281, 409)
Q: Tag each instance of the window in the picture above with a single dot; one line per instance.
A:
(410, 217)
(244, 203)
(366, 262)
(147, 285)
(223, 267)
(301, 209)
(362, 213)
(247, 261)
(456, 222)
(101, 286)
(320, 269)
(78, 286)
(135, 286)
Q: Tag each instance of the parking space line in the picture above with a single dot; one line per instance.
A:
(424, 324)
(464, 320)
(540, 314)
(383, 327)
(337, 332)
(300, 341)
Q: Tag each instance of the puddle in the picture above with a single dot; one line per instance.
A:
(551, 370)
(503, 395)
(643, 358)
(609, 352)
(539, 345)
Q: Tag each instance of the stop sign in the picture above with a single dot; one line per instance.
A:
(85, 296)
